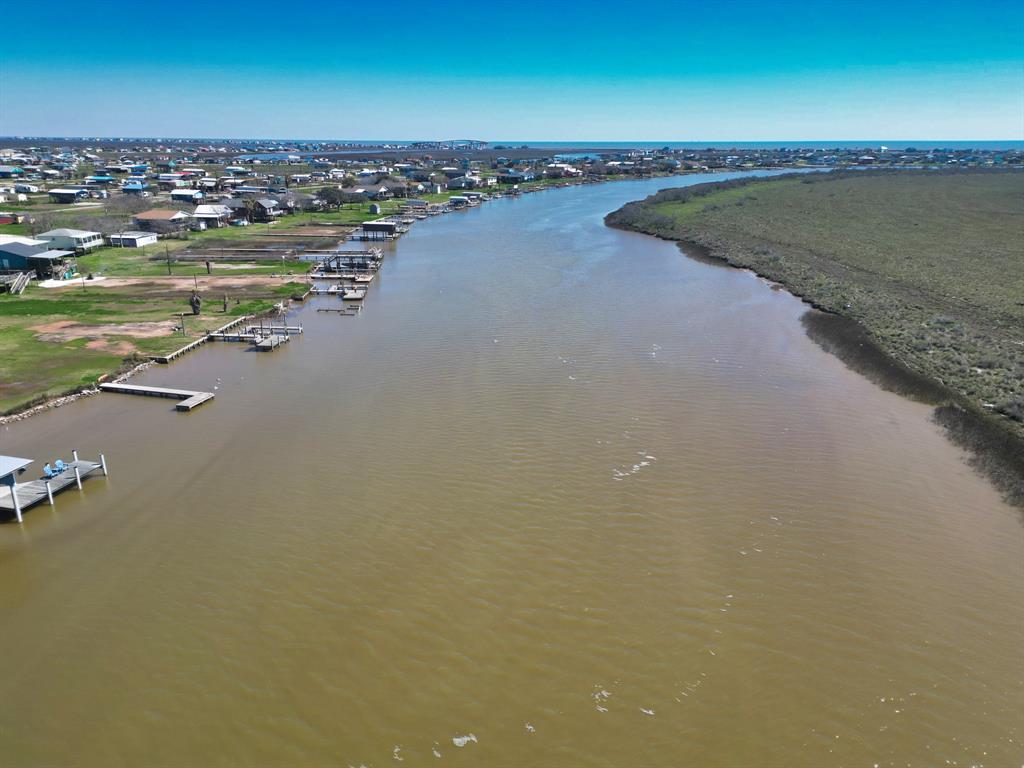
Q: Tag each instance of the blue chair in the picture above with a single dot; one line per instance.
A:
(60, 466)
(47, 472)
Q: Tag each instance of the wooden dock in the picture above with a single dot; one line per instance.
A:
(20, 496)
(189, 399)
(269, 342)
(165, 359)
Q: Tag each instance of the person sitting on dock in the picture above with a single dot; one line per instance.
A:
(59, 466)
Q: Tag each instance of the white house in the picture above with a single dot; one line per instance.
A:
(214, 214)
(132, 239)
(77, 240)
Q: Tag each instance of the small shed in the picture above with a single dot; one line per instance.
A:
(132, 239)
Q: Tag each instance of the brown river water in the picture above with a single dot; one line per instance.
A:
(560, 495)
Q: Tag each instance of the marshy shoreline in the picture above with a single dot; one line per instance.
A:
(993, 448)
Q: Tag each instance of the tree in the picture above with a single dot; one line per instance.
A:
(332, 196)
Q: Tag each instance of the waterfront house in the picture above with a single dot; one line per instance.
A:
(132, 239)
(77, 240)
(162, 220)
(11, 171)
(515, 177)
(35, 256)
(464, 182)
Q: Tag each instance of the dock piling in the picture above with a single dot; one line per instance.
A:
(14, 498)
(78, 475)
(74, 455)
(103, 464)
(49, 493)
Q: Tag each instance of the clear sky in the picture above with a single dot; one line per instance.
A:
(524, 70)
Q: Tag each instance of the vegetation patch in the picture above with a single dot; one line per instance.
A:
(921, 275)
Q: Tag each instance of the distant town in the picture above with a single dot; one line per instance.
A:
(131, 192)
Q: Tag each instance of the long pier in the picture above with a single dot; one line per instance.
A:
(189, 399)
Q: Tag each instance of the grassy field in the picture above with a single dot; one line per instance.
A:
(929, 264)
(56, 340)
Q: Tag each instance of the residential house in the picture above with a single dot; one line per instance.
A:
(77, 240)
(137, 188)
(266, 209)
(68, 195)
(193, 196)
(12, 217)
(171, 181)
(162, 220)
(36, 257)
(464, 182)
(515, 177)
(214, 215)
(11, 171)
(239, 211)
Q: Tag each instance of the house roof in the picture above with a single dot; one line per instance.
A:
(20, 249)
(161, 214)
(33, 252)
(211, 210)
(66, 191)
(5, 239)
(64, 232)
(133, 234)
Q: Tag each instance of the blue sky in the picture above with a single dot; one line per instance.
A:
(525, 70)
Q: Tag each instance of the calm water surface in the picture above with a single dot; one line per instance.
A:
(560, 495)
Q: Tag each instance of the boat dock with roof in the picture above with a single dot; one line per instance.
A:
(17, 497)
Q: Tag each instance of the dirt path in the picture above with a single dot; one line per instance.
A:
(208, 282)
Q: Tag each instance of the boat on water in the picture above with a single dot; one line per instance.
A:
(353, 294)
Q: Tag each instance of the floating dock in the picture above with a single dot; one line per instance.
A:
(188, 398)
